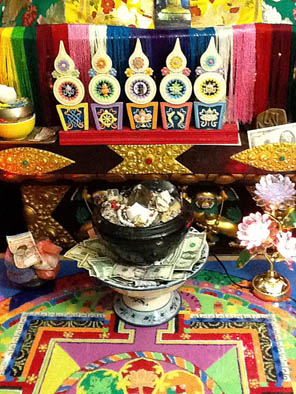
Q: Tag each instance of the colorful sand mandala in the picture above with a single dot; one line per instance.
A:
(76, 333)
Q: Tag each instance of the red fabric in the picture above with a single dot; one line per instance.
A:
(279, 66)
(59, 33)
(263, 53)
(227, 135)
(46, 58)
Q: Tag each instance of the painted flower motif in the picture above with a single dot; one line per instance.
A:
(165, 71)
(42, 348)
(275, 189)
(113, 72)
(29, 16)
(138, 63)
(186, 71)
(129, 72)
(286, 246)
(63, 66)
(107, 6)
(176, 63)
(254, 231)
(148, 71)
(92, 73)
(195, 11)
(101, 63)
(31, 379)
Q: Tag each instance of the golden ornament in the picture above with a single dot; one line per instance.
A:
(147, 159)
(31, 161)
(270, 157)
(39, 204)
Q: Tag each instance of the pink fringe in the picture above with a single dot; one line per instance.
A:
(80, 53)
(242, 86)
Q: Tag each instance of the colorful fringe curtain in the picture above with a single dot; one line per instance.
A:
(258, 60)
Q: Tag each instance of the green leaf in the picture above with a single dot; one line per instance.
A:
(244, 257)
(291, 219)
(234, 214)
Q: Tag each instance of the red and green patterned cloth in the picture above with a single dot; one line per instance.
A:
(220, 328)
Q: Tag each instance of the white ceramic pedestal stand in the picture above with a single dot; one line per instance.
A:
(144, 306)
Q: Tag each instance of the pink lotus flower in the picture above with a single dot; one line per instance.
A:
(254, 230)
(286, 246)
(275, 189)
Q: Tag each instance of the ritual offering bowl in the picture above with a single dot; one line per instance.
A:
(15, 113)
(148, 295)
(153, 220)
(17, 130)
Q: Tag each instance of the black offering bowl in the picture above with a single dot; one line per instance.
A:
(145, 245)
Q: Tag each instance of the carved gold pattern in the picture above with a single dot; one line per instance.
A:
(31, 161)
(270, 157)
(39, 204)
(145, 159)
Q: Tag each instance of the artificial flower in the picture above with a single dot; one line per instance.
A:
(254, 231)
(113, 72)
(129, 72)
(148, 71)
(92, 73)
(186, 71)
(275, 189)
(199, 70)
(165, 71)
(286, 246)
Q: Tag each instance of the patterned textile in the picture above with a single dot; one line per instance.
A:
(27, 57)
(103, 12)
(218, 329)
(223, 12)
(280, 11)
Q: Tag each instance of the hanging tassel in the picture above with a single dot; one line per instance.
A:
(79, 50)
(44, 45)
(279, 66)
(244, 72)
(8, 71)
(224, 44)
(17, 41)
(292, 79)
(31, 56)
(118, 48)
(97, 38)
(263, 51)
(59, 33)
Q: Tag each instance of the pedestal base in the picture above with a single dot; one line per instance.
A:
(147, 312)
(271, 286)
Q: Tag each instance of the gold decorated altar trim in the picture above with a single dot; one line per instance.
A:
(31, 161)
(270, 157)
(147, 159)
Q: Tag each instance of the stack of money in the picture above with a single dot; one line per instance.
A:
(94, 256)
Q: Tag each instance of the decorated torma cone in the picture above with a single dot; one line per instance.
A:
(105, 89)
(176, 89)
(210, 90)
(69, 92)
(140, 88)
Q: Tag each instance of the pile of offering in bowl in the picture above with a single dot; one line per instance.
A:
(17, 118)
(140, 207)
(142, 224)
